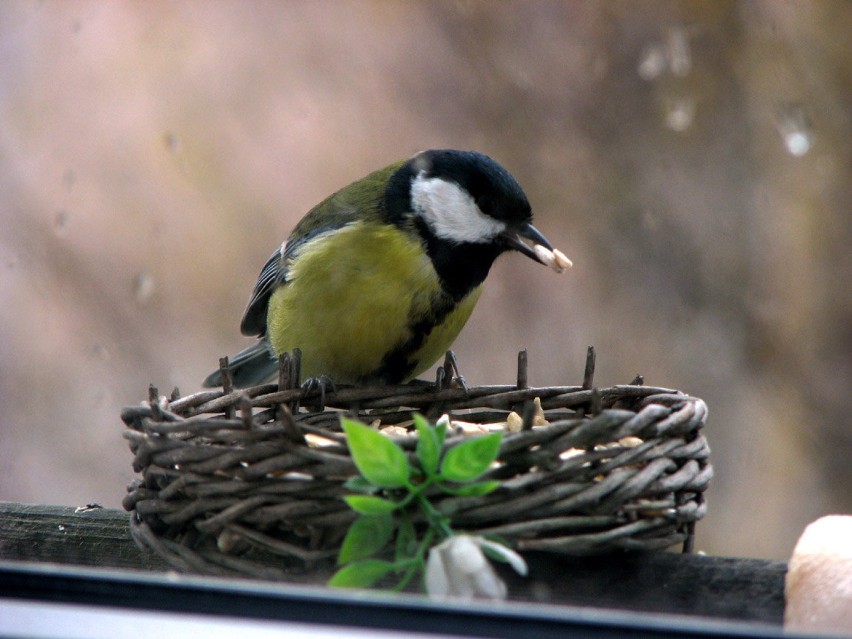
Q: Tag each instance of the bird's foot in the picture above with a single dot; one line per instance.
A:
(317, 386)
(448, 375)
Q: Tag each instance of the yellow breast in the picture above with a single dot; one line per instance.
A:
(353, 295)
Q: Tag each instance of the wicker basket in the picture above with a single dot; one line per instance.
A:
(250, 482)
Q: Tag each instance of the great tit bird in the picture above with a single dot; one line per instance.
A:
(376, 281)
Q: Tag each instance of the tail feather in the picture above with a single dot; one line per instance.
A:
(254, 365)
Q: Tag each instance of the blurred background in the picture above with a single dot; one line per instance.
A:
(692, 158)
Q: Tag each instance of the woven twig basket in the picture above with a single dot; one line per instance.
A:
(247, 482)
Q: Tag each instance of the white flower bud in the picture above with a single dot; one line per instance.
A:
(457, 567)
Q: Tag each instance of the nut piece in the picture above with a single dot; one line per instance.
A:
(514, 423)
(555, 259)
(562, 261)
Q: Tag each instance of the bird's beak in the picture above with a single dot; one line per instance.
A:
(527, 240)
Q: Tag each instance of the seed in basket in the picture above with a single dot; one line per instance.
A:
(318, 441)
(514, 422)
(629, 441)
(227, 540)
(395, 431)
(469, 428)
(538, 416)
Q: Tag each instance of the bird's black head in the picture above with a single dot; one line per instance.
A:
(464, 196)
(492, 188)
(467, 208)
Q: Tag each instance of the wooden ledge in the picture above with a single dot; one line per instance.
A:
(656, 582)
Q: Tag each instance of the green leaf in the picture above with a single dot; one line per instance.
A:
(360, 484)
(369, 505)
(471, 490)
(361, 574)
(406, 539)
(470, 459)
(381, 461)
(428, 445)
(367, 535)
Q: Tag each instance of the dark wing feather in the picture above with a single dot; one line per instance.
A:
(273, 273)
(361, 200)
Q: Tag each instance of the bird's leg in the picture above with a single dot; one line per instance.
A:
(318, 385)
(449, 369)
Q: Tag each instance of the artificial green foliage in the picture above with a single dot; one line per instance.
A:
(380, 461)
(361, 574)
(369, 505)
(429, 443)
(367, 535)
(395, 489)
(470, 459)
(360, 484)
(472, 490)
(406, 540)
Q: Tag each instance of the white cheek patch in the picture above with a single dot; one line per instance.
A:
(451, 212)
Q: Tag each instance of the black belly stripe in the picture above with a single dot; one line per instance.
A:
(460, 268)
(397, 364)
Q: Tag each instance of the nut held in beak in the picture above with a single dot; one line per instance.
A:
(555, 258)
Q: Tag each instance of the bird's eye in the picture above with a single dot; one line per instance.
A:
(486, 204)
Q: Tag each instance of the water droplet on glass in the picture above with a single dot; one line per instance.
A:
(649, 219)
(102, 398)
(60, 223)
(795, 129)
(99, 352)
(172, 141)
(541, 591)
(653, 62)
(68, 179)
(680, 57)
(143, 287)
(798, 143)
(680, 112)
